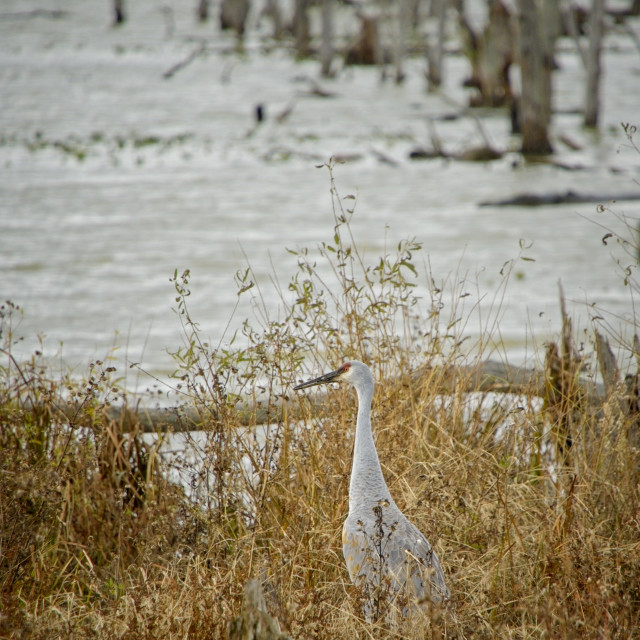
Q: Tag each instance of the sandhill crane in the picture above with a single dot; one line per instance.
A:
(387, 557)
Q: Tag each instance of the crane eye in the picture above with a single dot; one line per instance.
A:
(345, 367)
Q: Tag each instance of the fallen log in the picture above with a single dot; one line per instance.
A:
(488, 376)
(53, 14)
(568, 197)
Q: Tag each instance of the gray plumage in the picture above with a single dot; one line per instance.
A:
(387, 557)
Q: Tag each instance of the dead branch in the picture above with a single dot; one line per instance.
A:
(196, 53)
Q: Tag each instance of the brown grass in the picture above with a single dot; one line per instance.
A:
(95, 542)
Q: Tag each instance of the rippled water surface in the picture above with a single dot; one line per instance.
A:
(112, 177)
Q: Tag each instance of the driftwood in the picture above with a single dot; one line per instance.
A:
(53, 14)
(482, 153)
(384, 158)
(570, 142)
(318, 91)
(473, 154)
(422, 153)
(568, 197)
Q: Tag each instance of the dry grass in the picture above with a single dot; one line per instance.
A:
(537, 540)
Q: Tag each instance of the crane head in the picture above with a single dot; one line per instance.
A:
(350, 371)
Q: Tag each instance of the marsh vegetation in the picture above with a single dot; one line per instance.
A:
(531, 501)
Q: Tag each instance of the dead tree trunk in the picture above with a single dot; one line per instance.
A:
(551, 27)
(399, 41)
(118, 12)
(535, 70)
(574, 29)
(272, 10)
(326, 46)
(551, 24)
(301, 28)
(367, 48)
(435, 49)
(490, 53)
(596, 24)
(233, 15)
(413, 11)
(203, 10)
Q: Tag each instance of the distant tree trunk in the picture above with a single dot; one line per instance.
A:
(491, 54)
(435, 50)
(551, 26)
(118, 12)
(414, 13)
(574, 30)
(399, 44)
(169, 20)
(593, 64)
(535, 69)
(203, 10)
(301, 28)
(233, 15)
(326, 46)
(272, 9)
(366, 49)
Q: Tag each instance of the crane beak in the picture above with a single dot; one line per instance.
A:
(325, 379)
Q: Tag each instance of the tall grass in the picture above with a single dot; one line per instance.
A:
(531, 503)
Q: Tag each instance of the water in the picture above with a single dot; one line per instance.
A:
(112, 177)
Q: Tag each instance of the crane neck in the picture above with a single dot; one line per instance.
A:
(367, 485)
